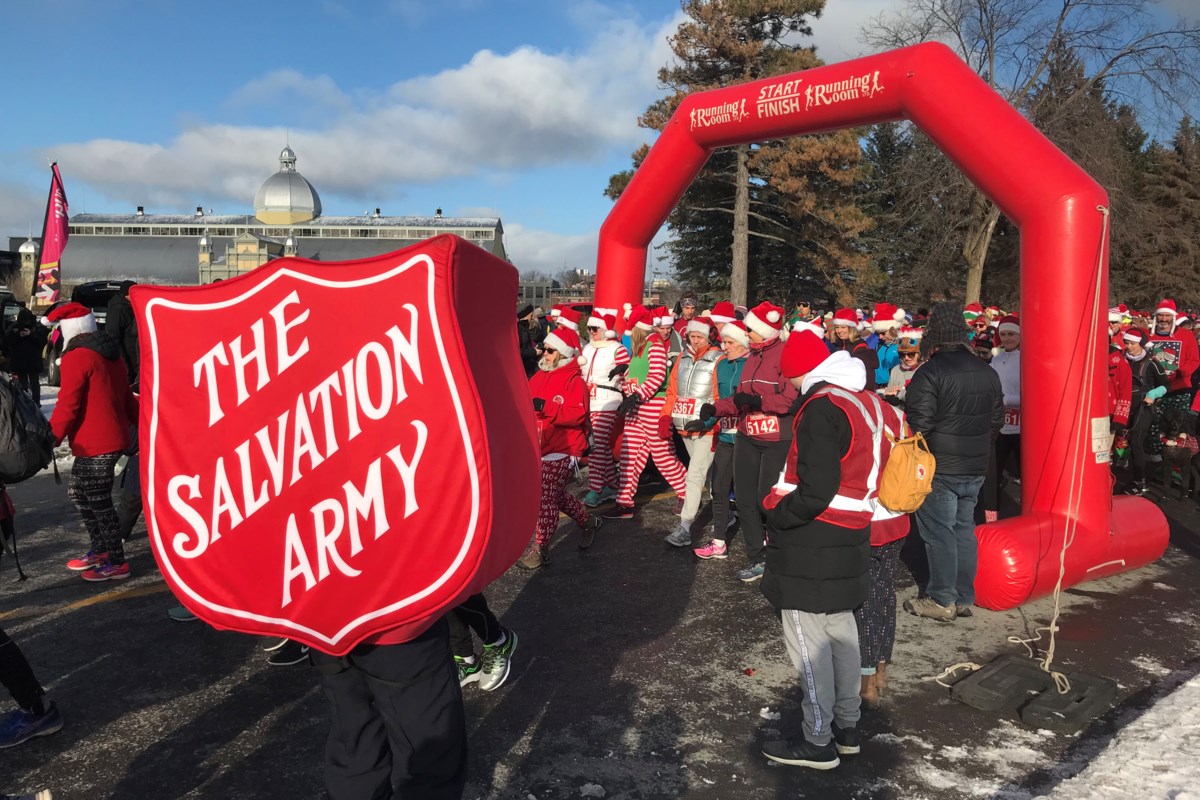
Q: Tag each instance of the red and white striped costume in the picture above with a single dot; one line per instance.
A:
(641, 440)
(555, 498)
(597, 362)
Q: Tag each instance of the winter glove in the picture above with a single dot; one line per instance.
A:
(1155, 393)
(747, 402)
(696, 426)
(538, 404)
(664, 428)
(629, 404)
(619, 369)
(707, 412)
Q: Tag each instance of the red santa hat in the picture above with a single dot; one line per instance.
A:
(1115, 314)
(972, 311)
(802, 352)
(663, 316)
(736, 330)
(1010, 324)
(723, 312)
(604, 321)
(640, 317)
(846, 318)
(700, 325)
(765, 319)
(555, 310)
(1136, 335)
(813, 327)
(73, 319)
(570, 318)
(1167, 306)
(887, 316)
(564, 340)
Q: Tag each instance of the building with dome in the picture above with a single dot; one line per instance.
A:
(188, 249)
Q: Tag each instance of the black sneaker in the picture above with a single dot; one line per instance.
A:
(619, 512)
(287, 655)
(846, 740)
(272, 644)
(802, 753)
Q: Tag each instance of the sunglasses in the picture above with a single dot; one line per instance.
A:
(909, 355)
(594, 329)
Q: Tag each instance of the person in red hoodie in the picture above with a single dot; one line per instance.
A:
(95, 410)
(560, 400)
(1176, 351)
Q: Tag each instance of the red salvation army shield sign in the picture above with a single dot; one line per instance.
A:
(326, 446)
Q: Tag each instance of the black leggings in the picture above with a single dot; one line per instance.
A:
(756, 467)
(17, 676)
(472, 615)
(1138, 433)
(1006, 454)
(91, 491)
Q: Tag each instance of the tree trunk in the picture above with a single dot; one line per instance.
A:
(983, 219)
(741, 229)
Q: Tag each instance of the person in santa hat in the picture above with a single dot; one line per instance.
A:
(1149, 382)
(692, 383)
(763, 407)
(569, 318)
(1177, 352)
(886, 322)
(94, 411)
(908, 348)
(735, 341)
(560, 405)
(645, 389)
(722, 314)
(845, 331)
(971, 315)
(664, 324)
(1006, 447)
(818, 557)
(603, 362)
(1116, 325)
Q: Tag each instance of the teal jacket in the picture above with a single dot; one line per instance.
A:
(729, 374)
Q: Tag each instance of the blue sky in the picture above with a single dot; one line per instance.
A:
(520, 109)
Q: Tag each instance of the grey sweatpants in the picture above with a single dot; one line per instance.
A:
(824, 648)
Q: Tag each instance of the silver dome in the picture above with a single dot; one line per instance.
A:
(28, 246)
(287, 191)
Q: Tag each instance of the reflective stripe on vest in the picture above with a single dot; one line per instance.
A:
(851, 507)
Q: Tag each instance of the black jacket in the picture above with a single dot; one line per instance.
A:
(122, 327)
(955, 400)
(529, 356)
(812, 565)
(24, 344)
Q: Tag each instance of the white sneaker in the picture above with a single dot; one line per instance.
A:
(680, 538)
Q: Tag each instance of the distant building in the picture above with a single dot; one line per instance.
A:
(197, 248)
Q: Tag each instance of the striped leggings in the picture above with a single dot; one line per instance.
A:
(876, 618)
(91, 491)
(602, 471)
(556, 498)
(641, 443)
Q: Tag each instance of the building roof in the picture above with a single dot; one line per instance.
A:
(203, 220)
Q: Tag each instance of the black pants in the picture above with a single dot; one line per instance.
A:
(399, 731)
(756, 467)
(876, 617)
(1006, 454)
(472, 615)
(722, 485)
(91, 491)
(1143, 417)
(17, 676)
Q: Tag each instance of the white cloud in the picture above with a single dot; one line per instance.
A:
(530, 249)
(21, 210)
(838, 32)
(497, 112)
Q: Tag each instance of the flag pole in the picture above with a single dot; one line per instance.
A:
(37, 271)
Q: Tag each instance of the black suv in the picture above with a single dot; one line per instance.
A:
(95, 295)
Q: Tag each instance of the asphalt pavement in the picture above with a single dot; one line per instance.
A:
(641, 673)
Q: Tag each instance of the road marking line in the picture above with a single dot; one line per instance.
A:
(158, 587)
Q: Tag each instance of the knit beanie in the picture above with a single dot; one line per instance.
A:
(945, 327)
(802, 353)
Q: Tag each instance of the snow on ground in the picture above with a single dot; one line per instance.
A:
(1154, 757)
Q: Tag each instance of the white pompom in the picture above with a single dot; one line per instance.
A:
(899, 315)
(581, 361)
(628, 308)
(772, 317)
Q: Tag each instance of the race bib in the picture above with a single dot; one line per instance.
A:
(1012, 417)
(728, 424)
(762, 424)
(684, 408)
(592, 390)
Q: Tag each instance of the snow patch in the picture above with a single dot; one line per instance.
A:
(592, 790)
(1164, 586)
(1147, 664)
(767, 713)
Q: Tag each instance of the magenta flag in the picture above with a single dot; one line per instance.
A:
(54, 240)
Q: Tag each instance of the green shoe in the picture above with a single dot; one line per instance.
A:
(468, 671)
(592, 499)
(180, 614)
(497, 661)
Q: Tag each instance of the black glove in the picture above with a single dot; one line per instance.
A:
(696, 426)
(538, 404)
(747, 402)
(629, 404)
(707, 412)
(1118, 429)
(619, 369)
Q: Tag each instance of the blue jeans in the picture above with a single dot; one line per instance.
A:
(947, 523)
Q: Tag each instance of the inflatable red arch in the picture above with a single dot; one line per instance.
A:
(1062, 215)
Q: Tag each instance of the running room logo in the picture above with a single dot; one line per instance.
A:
(718, 115)
(827, 94)
(310, 473)
(779, 99)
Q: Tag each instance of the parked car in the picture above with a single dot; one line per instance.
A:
(95, 295)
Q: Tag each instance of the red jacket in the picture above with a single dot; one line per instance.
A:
(561, 421)
(1120, 387)
(1183, 345)
(762, 376)
(95, 406)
